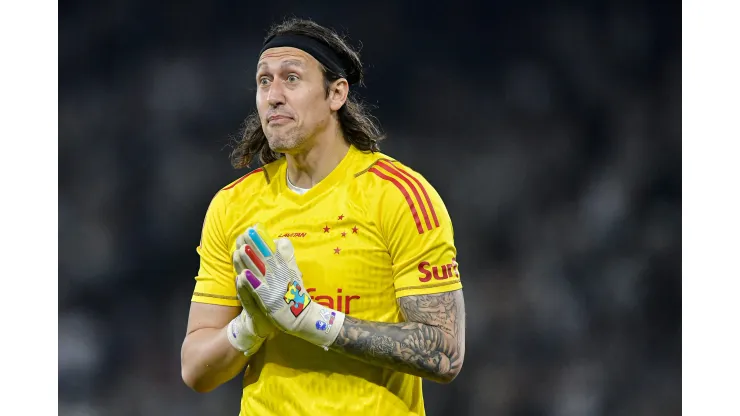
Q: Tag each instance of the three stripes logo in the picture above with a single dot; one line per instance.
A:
(406, 182)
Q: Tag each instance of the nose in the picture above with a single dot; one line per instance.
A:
(275, 96)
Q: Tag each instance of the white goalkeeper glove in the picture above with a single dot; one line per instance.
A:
(277, 285)
(252, 327)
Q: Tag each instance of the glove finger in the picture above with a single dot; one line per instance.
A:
(245, 297)
(238, 293)
(240, 241)
(250, 285)
(244, 241)
(284, 250)
(252, 261)
(239, 265)
(258, 239)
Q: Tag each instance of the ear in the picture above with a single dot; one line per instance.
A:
(338, 91)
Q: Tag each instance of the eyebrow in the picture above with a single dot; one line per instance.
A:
(289, 62)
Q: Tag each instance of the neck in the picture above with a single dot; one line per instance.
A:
(309, 166)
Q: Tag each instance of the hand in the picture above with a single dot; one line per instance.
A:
(252, 327)
(275, 282)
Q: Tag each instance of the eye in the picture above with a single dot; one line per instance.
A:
(262, 81)
(292, 78)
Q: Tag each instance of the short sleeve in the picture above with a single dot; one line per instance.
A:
(418, 231)
(214, 283)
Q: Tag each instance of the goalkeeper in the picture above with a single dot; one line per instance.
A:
(348, 294)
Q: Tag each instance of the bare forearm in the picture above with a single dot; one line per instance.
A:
(409, 347)
(431, 344)
(209, 360)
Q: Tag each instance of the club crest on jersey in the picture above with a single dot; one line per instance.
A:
(295, 299)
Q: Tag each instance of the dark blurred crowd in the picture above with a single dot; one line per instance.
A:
(551, 132)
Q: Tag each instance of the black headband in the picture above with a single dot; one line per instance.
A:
(316, 48)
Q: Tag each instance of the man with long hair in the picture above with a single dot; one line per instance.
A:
(347, 290)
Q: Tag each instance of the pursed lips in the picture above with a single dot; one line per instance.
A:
(278, 117)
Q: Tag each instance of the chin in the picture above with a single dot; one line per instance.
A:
(282, 145)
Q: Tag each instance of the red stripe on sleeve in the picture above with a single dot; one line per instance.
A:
(392, 170)
(405, 194)
(242, 178)
(426, 195)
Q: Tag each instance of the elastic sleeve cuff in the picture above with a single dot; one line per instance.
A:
(429, 289)
(214, 299)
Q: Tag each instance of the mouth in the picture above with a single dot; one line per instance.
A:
(278, 119)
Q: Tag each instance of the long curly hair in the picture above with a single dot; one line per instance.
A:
(358, 126)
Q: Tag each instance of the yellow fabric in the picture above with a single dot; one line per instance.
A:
(372, 231)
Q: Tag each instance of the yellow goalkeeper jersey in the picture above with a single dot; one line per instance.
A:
(370, 232)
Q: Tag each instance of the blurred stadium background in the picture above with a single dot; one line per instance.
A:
(551, 131)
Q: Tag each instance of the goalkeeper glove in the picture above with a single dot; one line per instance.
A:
(273, 278)
(251, 328)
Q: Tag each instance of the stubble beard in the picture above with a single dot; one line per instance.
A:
(284, 141)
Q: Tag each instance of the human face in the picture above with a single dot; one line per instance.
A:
(291, 98)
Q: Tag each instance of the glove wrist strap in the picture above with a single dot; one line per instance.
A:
(321, 325)
(241, 338)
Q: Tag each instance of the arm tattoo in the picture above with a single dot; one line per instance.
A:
(430, 344)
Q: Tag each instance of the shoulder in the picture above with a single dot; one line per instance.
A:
(398, 189)
(388, 177)
(381, 170)
(250, 183)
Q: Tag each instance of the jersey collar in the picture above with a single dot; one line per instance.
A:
(341, 172)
